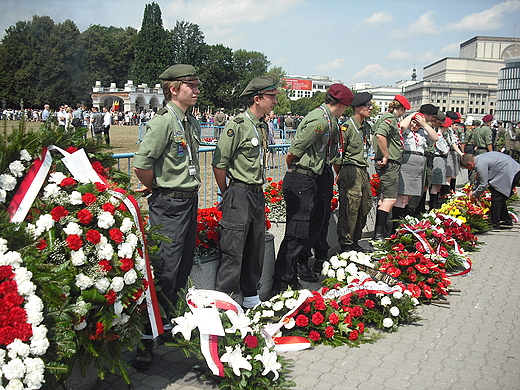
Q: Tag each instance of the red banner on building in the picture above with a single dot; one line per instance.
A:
(298, 84)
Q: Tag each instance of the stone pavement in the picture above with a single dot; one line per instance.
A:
(473, 343)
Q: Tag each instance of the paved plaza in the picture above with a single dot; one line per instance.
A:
(472, 343)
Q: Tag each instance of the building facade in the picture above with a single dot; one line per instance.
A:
(298, 87)
(130, 98)
(508, 91)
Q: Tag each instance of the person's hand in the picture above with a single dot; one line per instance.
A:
(420, 118)
(381, 163)
(144, 191)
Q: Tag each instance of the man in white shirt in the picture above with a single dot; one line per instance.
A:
(107, 121)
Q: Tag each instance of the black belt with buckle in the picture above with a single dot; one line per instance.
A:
(245, 186)
(413, 152)
(178, 194)
(305, 171)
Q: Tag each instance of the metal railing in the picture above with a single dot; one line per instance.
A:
(208, 190)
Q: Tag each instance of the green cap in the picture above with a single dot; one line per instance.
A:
(180, 72)
(259, 85)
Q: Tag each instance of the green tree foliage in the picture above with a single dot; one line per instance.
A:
(188, 44)
(152, 50)
(277, 73)
(284, 104)
(248, 65)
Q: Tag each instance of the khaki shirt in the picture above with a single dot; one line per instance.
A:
(316, 141)
(241, 149)
(482, 136)
(165, 150)
(387, 127)
(354, 137)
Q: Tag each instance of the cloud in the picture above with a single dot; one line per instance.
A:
(398, 54)
(423, 25)
(377, 71)
(378, 18)
(329, 66)
(452, 48)
(489, 19)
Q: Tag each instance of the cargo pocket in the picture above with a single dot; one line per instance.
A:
(231, 237)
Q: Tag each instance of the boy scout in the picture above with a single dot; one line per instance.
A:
(167, 165)
(240, 156)
(307, 185)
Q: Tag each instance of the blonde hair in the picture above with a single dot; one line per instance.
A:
(166, 85)
(394, 105)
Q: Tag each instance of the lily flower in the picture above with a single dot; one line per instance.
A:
(270, 363)
(236, 360)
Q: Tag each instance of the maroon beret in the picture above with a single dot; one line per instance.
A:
(341, 93)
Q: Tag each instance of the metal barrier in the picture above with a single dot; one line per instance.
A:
(208, 197)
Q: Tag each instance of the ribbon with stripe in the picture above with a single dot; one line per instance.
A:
(367, 284)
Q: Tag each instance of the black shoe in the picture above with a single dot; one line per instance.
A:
(318, 266)
(510, 224)
(379, 233)
(359, 248)
(305, 273)
(144, 357)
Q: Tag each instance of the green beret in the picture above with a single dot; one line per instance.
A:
(175, 72)
(259, 85)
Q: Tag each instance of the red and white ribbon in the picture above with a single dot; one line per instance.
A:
(367, 284)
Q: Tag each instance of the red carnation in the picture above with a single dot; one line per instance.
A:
(317, 318)
(361, 327)
(105, 266)
(353, 335)
(357, 311)
(121, 207)
(74, 242)
(71, 149)
(41, 245)
(100, 328)
(329, 332)
(59, 212)
(319, 304)
(302, 321)
(362, 294)
(89, 198)
(109, 207)
(126, 265)
(369, 304)
(116, 235)
(93, 236)
(111, 297)
(84, 216)
(333, 318)
(68, 181)
(251, 341)
(6, 272)
(314, 336)
(100, 186)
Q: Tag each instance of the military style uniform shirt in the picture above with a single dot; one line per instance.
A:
(354, 136)
(169, 150)
(388, 127)
(482, 137)
(241, 149)
(416, 141)
(316, 141)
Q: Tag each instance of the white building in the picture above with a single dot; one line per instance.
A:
(130, 97)
(508, 91)
(382, 95)
(302, 86)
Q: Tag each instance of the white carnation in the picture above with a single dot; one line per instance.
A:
(278, 306)
(130, 277)
(388, 323)
(14, 369)
(56, 177)
(105, 220)
(397, 295)
(126, 225)
(118, 307)
(132, 240)
(73, 228)
(125, 250)
(82, 325)
(11, 258)
(18, 349)
(75, 198)
(102, 285)
(385, 301)
(105, 250)
(78, 257)
(291, 303)
(34, 309)
(117, 284)
(3, 246)
(22, 275)
(394, 311)
(83, 281)
(26, 288)
(3, 196)
(24, 155)
(35, 371)
(7, 182)
(17, 168)
(44, 223)
(39, 341)
(51, 189)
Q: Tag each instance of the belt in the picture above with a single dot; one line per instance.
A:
(413, 152)
(305, 171)
(245, 186)
(478, 147)
(178, 194)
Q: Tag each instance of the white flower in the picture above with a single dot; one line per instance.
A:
(278, 306)
(117, 284)
(75, 198)
(105, 220)
(269, 359)
(126, 225)
(132, 240)
(340, 274)
(3, 196)
(397, 295)
(11, 258)
(82, 325)
(385, 301)
(14, 369)
(415, 301)
(125, 250)
(185, 324)
(239, 322)
(352, 269)
(7, 182)
(73, 228)
(394, 311)
(130, 277)
(105, 250)
(51, 189)
(236, 360)
(78, 257)
(34, 309)
(102, 285)
(334, 262)
(124, 318)
(118, 307)
(257, 317)
(56, 177)
(268, 313)
(81, 307)
(291, 303)
(331, 273)
(35, 371)
(288, 294)
(44, 223)
(17, 168)
(18, 349)
(325, 268)
(407, 292)
(139, 264)
(3, 246)
(388, 323)
(24, 155)
(39, 341)
(22, 275)
(26, 288)
(83, 281)
(290, 323)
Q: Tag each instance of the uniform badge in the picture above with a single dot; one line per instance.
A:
(388, 121)
(318, 129)
(254, 141)
(230, 133)
(344, 128)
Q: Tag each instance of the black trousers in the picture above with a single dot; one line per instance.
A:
(307, 213)
(498, 209)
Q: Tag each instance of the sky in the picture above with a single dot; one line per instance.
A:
(371, 41)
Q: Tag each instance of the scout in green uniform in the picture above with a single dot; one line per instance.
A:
(307, 185)
(388, 148)
(353, 181)
(240, 157)
(168, 167)
(483, 136)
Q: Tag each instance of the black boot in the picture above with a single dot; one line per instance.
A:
(380, 227)
(305, 273)
(318, 266)
(144, 357)
(434, 201)
(453, 183)
(397, 214)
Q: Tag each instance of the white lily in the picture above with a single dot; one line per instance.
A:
(185, 325)
(239, 322)
(270, 363)
(236, 360)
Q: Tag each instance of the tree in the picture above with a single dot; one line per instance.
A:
(247, 65)
(152, 50)
(277, 73)
(284, 104)
(188, 44)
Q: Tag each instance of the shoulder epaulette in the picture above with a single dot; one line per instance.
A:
(238, 119)
(162, 111)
